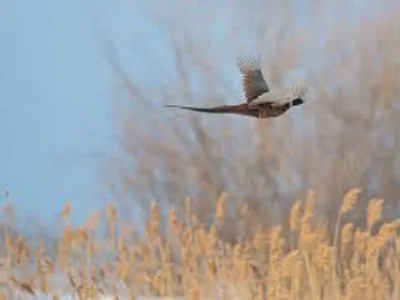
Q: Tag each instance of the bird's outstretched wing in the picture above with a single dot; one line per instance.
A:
(253, 81)
(233, 109)
(280, 97)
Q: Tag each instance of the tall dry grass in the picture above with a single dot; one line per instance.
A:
(103, 257)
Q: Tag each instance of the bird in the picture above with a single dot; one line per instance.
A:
(260, 102)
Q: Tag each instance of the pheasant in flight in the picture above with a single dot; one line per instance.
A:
(260, 101)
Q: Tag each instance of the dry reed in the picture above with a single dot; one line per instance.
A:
(190, 260)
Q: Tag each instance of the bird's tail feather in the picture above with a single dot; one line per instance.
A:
(217, 110)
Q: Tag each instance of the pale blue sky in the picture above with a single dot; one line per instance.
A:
(55, 98)
(53, 106)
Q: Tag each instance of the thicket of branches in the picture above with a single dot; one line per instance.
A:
(346, 135)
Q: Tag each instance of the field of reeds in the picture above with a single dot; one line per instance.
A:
(299, 259)
(304, 206)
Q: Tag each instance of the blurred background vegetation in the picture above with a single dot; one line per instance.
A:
(346, 135)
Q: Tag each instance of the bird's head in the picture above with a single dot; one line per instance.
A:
(299, 92)
(297, 101)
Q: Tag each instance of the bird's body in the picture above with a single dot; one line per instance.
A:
(262, 111)
(260, 101)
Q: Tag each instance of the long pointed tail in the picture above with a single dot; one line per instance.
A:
(233, 109)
